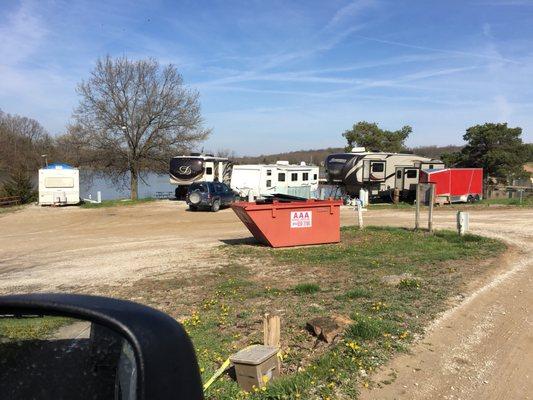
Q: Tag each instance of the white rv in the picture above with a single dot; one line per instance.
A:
(185, 170)
(378, 172)
(259, 180)
(59, 184)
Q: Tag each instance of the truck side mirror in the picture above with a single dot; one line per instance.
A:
(56, 346)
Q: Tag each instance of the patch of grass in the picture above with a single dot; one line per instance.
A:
(527, 201)
(306, 288)
(358, 293)
(409, 284)
(224, 313)
(6, 210)
(28, 328)
(367, 327)
(386, 206)
(116, 203)
(398, 249)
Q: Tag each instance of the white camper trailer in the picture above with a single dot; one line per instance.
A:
(59, 184)
(185, 170)
(258, 180)
(378, 172)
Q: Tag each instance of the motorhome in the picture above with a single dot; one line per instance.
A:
(187, 169)
(259, 180)
(59, 184)
(378, 172)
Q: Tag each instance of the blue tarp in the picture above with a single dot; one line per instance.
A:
(59, 166)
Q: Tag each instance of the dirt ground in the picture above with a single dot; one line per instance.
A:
(481, 348)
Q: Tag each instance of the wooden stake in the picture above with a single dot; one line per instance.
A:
(431, 205)
(417, 210)
(271, 330)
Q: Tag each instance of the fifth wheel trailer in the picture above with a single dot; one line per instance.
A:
(187, 169)
(378, 172)
(455, 184)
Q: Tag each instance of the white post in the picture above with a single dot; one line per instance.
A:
(99, 197)
(462, 222)
(431, 205)
(417, 209)
(359, 213)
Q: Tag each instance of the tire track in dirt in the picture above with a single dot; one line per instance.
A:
(483, 347)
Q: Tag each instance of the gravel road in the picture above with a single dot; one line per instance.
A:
(480, 349)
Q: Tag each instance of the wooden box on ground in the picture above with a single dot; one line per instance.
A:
(255, 366)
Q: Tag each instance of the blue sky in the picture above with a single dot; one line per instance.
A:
(280, 75)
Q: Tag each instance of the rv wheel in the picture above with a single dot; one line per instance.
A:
(470, 199)
(216, 206)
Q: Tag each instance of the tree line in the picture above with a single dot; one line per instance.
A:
(495, 147)
(134, 115)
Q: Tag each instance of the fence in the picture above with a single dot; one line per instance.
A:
(9, 201)
(508, 192)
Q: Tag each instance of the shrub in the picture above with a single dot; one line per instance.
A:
(20, 185)
(409, 283)
(306, 288)
(358, 293)
(370, 328)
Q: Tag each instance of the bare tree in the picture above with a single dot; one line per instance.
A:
(228, 153)
(133, 116)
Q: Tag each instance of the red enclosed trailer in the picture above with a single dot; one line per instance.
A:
(455, 184)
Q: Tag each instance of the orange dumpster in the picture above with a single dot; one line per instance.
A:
(295, 223)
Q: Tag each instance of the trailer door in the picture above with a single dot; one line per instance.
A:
(410, 178)
(398, 180)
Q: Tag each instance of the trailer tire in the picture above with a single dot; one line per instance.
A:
(470, 199)
(216, 206)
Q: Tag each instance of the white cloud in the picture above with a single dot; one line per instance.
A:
(350, 10)
(21, 35)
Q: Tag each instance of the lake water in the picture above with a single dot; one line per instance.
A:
(154, 183)
(112, 191)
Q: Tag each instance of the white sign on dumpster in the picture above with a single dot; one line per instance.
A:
(301, 219)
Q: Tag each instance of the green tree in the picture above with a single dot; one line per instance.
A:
(496, 148)
(371, 136)
(22, 143)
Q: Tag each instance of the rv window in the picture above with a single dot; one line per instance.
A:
(399, 174)
(294, 176)
(305, 176)
(59, 182)
(209, 171)
(281, 177)
(411, 173)
(430, 166)
(377, 167)
(269, 172)
(315, 176)
(269, 183)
